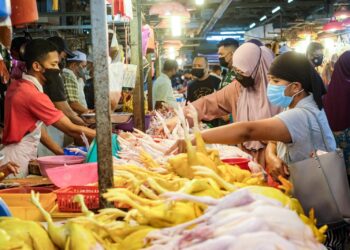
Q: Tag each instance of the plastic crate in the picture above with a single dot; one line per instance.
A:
(65, 198)
(19, 202)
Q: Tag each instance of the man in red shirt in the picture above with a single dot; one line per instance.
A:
(27, 108)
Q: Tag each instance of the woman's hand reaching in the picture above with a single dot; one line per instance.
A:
(276, 167)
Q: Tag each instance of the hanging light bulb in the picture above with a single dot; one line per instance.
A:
(199, 2)
(176, 25)
(171, 53)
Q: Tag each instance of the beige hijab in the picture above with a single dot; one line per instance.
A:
(253, 103)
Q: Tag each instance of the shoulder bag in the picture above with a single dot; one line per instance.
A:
(321, 183)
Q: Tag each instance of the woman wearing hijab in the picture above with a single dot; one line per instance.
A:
(257, 42)
(246, 98)
(296, 86)
(337, 103)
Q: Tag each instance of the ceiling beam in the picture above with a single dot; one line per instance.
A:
(217, 15)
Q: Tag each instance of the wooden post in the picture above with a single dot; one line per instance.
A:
(150, 84)
(136, 58)
(102, 104)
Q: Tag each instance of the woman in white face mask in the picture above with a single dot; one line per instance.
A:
(296, 86)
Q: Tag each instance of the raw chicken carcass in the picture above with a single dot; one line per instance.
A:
(262, 241)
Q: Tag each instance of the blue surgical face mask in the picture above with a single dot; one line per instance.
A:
(276, 96)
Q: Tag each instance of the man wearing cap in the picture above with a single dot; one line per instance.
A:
(63, 50)
(74, 89)
(56, 91)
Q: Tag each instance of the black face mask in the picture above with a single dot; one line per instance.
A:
(245, 81)
(248, 81)
(52, 76)
(317, 60)
(62, 64)
(199, 73)
(223, 62)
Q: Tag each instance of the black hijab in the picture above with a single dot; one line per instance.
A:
(295, 67)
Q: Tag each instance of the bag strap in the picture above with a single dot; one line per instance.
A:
(312, 137)
(316, 156)
(325, 142)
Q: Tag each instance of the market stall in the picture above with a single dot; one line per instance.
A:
(159, 197)
(130, 187)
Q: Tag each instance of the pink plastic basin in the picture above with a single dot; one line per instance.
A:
(47, 162)
(73, 175)
(241, 162)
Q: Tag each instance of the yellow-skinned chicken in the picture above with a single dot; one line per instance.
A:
(68, 236)
(9, 243)
(311, 222)
(136, 240)
(162, 215)
(31, 233)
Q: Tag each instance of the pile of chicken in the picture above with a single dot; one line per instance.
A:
(240, 220)
(137, 147)
(248, 218)
(190, 201)
(200, 177)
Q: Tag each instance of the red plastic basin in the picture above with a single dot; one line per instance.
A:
(241, 162)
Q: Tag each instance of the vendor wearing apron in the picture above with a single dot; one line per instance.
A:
(27, 108)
